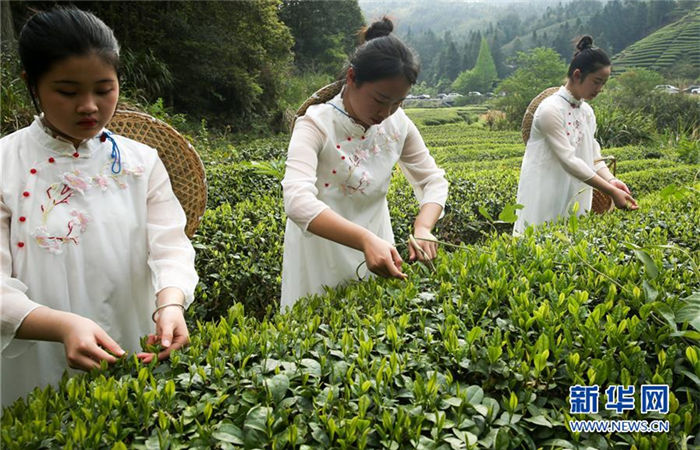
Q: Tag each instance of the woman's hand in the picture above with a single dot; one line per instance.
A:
(86, 343)
(620, 185)
(624, 200)
(382, 258)
(171, 333)
(422, 248)
(171, 329)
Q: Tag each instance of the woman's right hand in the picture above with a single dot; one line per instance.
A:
(623, 200)
(382, 258)
(86, 343)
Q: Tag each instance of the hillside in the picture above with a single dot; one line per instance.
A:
(458, 17)
(678, 42)
(543, 37)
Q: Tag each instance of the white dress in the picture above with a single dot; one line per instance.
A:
(76, 237)
(334, 163)
(559, 158)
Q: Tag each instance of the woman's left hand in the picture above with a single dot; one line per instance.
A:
(171, 328)
(620, 185)
(422, 248)
(171, 333)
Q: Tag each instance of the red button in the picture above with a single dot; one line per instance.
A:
(338, 146)
(76, 154)
(20, 244)
(327, 184)
(363, 137)
(349, 138)
(51, 159)
(22, 219)
(342, 157)
(33, 171)
(334, 171)
(25, 193)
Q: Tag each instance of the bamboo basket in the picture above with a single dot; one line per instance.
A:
(180, 159)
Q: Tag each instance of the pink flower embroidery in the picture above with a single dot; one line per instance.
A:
(75, 181)
(41, 235)
(359, 156)
(80, 219)
(100, 181)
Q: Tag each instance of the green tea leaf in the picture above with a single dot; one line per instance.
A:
(228, 432)
(278, 386)
(690, 312)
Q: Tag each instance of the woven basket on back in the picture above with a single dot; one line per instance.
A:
(602, 202)
(321, 96)
(180, 159)
(530, 111)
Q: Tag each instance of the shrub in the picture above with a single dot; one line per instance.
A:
(537, 70)
(495, 120)
(688, 150)
(17, 109)
(234, 183)
(239, 257)
(619, 127)
(481, 352)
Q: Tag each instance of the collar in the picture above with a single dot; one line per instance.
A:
(564, 93)
(337, 104)
(60, 145)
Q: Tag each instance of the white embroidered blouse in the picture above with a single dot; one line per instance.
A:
(559, 157)
(334, 163)
(74, 236)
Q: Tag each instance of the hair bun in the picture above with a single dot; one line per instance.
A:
(380, 28)
(584, 43)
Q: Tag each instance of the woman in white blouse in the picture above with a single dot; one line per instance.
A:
(340, 160)
(90, 230)
(558, 165)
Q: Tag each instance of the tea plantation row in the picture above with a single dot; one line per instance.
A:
(479, 353)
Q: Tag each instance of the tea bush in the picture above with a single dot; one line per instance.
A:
(235, 182)
(240, 242)
(479, 353)
(239, 257)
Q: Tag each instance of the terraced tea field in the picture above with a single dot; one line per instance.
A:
(661, 49)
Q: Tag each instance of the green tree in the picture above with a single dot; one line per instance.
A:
(227, 60)
(325, 32)
(482, 76)
(634, 83)
(537, 70)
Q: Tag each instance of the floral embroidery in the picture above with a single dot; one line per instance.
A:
(80, 219)
(359, 156)
(61, 193)
(576, 131)
(75, 227)
(362, 184)
(100, 181)
(50, 243)
(75, 181)
(367, 148)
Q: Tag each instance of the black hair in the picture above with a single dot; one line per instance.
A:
(58, 33)
(587, 58)
(382, 55)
